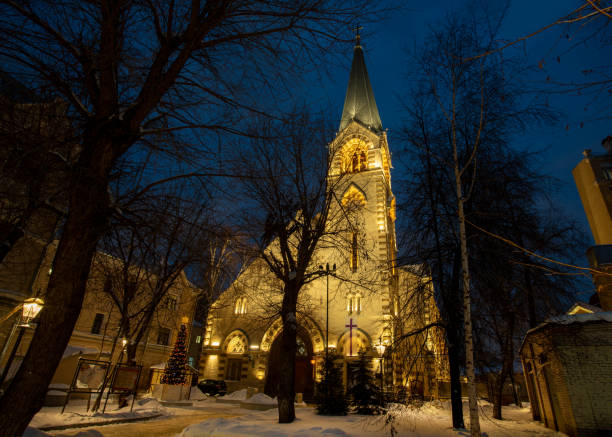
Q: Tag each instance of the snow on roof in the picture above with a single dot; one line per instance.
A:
(604, 316)
(585, 306)
(78, 350)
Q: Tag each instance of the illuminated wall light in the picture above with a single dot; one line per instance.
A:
(332, 346)
(381, 227)
(215, 343)
(254, 347)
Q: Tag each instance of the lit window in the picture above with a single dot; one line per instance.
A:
(353, 303)
(236, 345)
(607, 173)
(198, 339)
(240, 306)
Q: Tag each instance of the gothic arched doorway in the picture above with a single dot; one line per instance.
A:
(304, 378)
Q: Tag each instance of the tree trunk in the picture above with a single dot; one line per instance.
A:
(455, 319)
(85, 224)
(467, 317)
(454, 364)
(286, 386)
(498, 389)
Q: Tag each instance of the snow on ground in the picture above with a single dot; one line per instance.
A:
(239, 395)
(432, 419)
(260, 398)
(76, 412)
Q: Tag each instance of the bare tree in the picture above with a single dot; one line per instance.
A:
(460, 106)
(129, 70)
(288, 217)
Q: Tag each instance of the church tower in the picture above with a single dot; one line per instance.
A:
(361, 177)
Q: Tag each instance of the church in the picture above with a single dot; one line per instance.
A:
(362, 303)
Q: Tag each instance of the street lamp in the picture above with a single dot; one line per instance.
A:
(327, 272)
(29, 310)
(380, 348)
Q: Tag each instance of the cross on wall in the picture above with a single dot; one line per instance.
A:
(351, 326)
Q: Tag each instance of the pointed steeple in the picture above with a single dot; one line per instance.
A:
(359, 103)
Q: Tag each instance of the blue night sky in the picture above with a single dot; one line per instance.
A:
(386, 44)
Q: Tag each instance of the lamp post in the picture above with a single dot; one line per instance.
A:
(327, 272)
(29, 310)
(380, 348)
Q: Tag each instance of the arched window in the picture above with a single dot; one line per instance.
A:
(236, 345)
(240, 306)
(354, 156)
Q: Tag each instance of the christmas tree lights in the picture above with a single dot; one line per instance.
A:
(175, 372)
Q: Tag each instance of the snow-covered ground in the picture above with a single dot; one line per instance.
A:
(432, 419)
(76, 414)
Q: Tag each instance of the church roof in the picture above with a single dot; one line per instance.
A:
(359, 103)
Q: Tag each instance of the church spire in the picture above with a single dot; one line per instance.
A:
(359, 103)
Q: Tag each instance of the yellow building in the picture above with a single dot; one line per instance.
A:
(593, 177)
(97, 334)
(362, 296)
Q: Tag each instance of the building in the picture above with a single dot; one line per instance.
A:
(360, 300)
(97, 334)
(593, 177)
(566, 360)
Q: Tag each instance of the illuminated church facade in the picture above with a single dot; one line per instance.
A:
(364, 302)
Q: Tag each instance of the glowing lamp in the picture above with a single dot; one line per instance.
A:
(30, 309)
(380, 348)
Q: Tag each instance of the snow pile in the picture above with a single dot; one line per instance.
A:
(197, 395)
(261, 398)
(239, 395)
(78, 350)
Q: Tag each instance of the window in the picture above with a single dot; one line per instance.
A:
(353, 303)
(236, 345)
(353, 198)
(163, 336)
(354, 257)
(240, 306)
(199, 339)
(171, 303)
(191, 361)
(234, 368)
(354, 156)
(607, 173)
(97, 323)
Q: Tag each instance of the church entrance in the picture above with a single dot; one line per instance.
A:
(304, 378)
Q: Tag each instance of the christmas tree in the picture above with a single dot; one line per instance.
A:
(330, 397)
(175, 372)
(364, 393)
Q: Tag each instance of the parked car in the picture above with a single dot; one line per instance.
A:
(213, 387)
